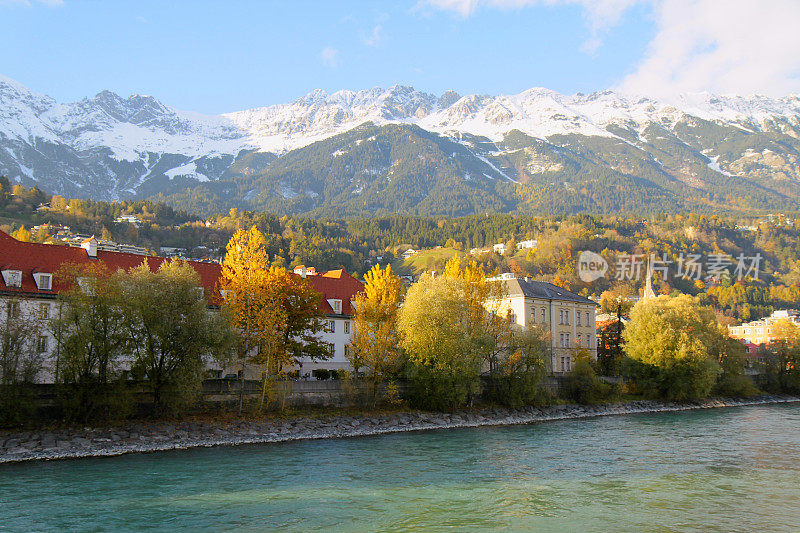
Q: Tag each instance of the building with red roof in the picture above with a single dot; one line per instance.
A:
(338, 290)
(30, 284)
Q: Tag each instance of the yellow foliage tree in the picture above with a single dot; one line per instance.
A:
(485, 304)
(22, 234)
(249, 300)
(376, 341)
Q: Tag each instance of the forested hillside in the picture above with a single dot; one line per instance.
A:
(357, 243)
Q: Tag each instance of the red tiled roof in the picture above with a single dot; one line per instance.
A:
(32, 257)
(336, 285)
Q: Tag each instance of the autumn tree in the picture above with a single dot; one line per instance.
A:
(276, 314)
(22, 234)
(787, 353)
(520, 369)
(444, 351)
(676, 346)
(303, 320)
(20, 362)
(487, 315)
(375, 344)
(93, 341)
(249, 300)
(172, 332)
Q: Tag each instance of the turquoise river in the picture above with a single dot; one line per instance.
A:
(729, 469)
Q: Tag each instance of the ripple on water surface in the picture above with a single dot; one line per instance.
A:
(733, 469)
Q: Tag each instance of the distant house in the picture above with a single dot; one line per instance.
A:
(303, 271)
(499, 248)
(409, 253)
(530, 244)
(568, 317)
(128, 219)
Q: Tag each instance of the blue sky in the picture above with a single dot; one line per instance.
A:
(215, 57)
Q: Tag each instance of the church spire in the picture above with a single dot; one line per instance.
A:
(648, 289)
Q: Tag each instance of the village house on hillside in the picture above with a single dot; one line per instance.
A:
(29, 287)
(568, 317)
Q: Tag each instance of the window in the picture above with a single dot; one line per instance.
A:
(512, 317)
(13, 278)
(336, 305)
(563, 340)
(12, 309)
(347, 327)
(561, 316)
(330, 326)
(44, 281)
(199, 292)
(533, 315)
(580, 339)
(566, 317)
(44, 310)
(544, 315)
(578, 318)
(41, 344)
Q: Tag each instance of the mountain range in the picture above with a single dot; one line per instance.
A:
(399, 150)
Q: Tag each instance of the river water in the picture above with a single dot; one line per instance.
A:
(729, 469)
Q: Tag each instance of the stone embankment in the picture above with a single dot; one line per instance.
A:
(159, 436)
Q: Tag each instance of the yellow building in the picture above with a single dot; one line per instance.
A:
(760, 331)
(568, 317)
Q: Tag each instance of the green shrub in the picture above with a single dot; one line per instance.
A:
(735, 386)
(436, 390)
(18, 405)
(584, 386)
(516, 390)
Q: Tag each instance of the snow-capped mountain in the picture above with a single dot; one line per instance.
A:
(111, 147)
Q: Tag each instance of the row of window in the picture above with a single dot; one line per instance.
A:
(330, 326)
(582, 341)
(13, 278)
(581, 317)
(12, 309)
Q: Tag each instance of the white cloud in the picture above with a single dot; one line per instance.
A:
(721, 46)
(600, 14)
(330, 57)
(375, 37)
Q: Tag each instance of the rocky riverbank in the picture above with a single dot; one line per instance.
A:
(159, 436)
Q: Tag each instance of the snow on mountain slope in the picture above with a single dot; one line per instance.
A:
(108, 146)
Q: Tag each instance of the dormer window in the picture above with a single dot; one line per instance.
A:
(12, 278)
(336, 305)
(44, 281)
(199, 292)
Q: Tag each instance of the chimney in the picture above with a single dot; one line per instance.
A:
(90, 245)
